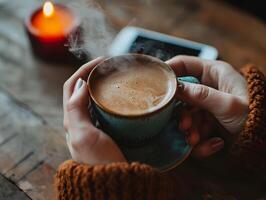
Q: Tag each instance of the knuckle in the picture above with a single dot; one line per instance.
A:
(178, 57)
(66, 85)
(181, 57)
(220, 62)
(224, 64)
(200, 92)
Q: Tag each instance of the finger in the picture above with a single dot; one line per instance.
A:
(77, 106)
(211, 73)
(206, 97)
(208, 147)
(188, 65)
(195, 123)
(193, 137)
(194, 132)
(185, 121)
(207, 125)
(201, 124)
(82, 73)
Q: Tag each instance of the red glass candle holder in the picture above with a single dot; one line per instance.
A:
(49, 36)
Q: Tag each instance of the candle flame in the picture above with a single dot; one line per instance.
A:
(48, 9)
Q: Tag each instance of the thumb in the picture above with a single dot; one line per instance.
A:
(205, 97)
(77, 106)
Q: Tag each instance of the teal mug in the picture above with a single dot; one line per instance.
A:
(134, 129)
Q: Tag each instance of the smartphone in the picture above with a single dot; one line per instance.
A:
(162, 46)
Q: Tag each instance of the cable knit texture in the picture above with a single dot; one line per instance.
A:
(140, 181)
(111, 181)
(249, 148)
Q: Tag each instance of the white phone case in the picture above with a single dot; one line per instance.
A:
(127, 36)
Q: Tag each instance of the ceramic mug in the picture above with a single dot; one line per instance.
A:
(134, 129)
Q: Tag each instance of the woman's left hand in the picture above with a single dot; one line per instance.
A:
(87, 144)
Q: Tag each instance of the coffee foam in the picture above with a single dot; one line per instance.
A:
(133, 89)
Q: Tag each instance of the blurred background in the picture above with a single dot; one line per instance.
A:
(252, 7)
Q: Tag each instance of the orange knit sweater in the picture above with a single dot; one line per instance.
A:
(140, 181)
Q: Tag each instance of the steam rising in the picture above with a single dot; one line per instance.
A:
(121, 64)
(97, 35)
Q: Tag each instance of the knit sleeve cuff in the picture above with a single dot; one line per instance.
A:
(250, 146)
(110, 181)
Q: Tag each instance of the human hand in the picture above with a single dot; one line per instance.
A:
(222, 93)
(87, 144)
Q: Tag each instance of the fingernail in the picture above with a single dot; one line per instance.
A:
(78, 84)
(217, 144)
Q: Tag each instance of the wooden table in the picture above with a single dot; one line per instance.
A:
(32, 142)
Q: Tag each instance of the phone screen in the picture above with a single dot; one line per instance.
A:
(159, 49)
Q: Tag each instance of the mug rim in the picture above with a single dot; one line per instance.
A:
(145, 114)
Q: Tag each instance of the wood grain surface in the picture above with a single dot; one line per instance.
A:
(9, 191)
(32, 141)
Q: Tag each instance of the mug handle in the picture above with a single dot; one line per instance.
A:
(190, 79)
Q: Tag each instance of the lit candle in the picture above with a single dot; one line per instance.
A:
(49, 28)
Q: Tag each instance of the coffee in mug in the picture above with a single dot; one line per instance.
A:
(135, 88)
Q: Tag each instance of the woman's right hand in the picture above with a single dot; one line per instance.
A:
(222, 95)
